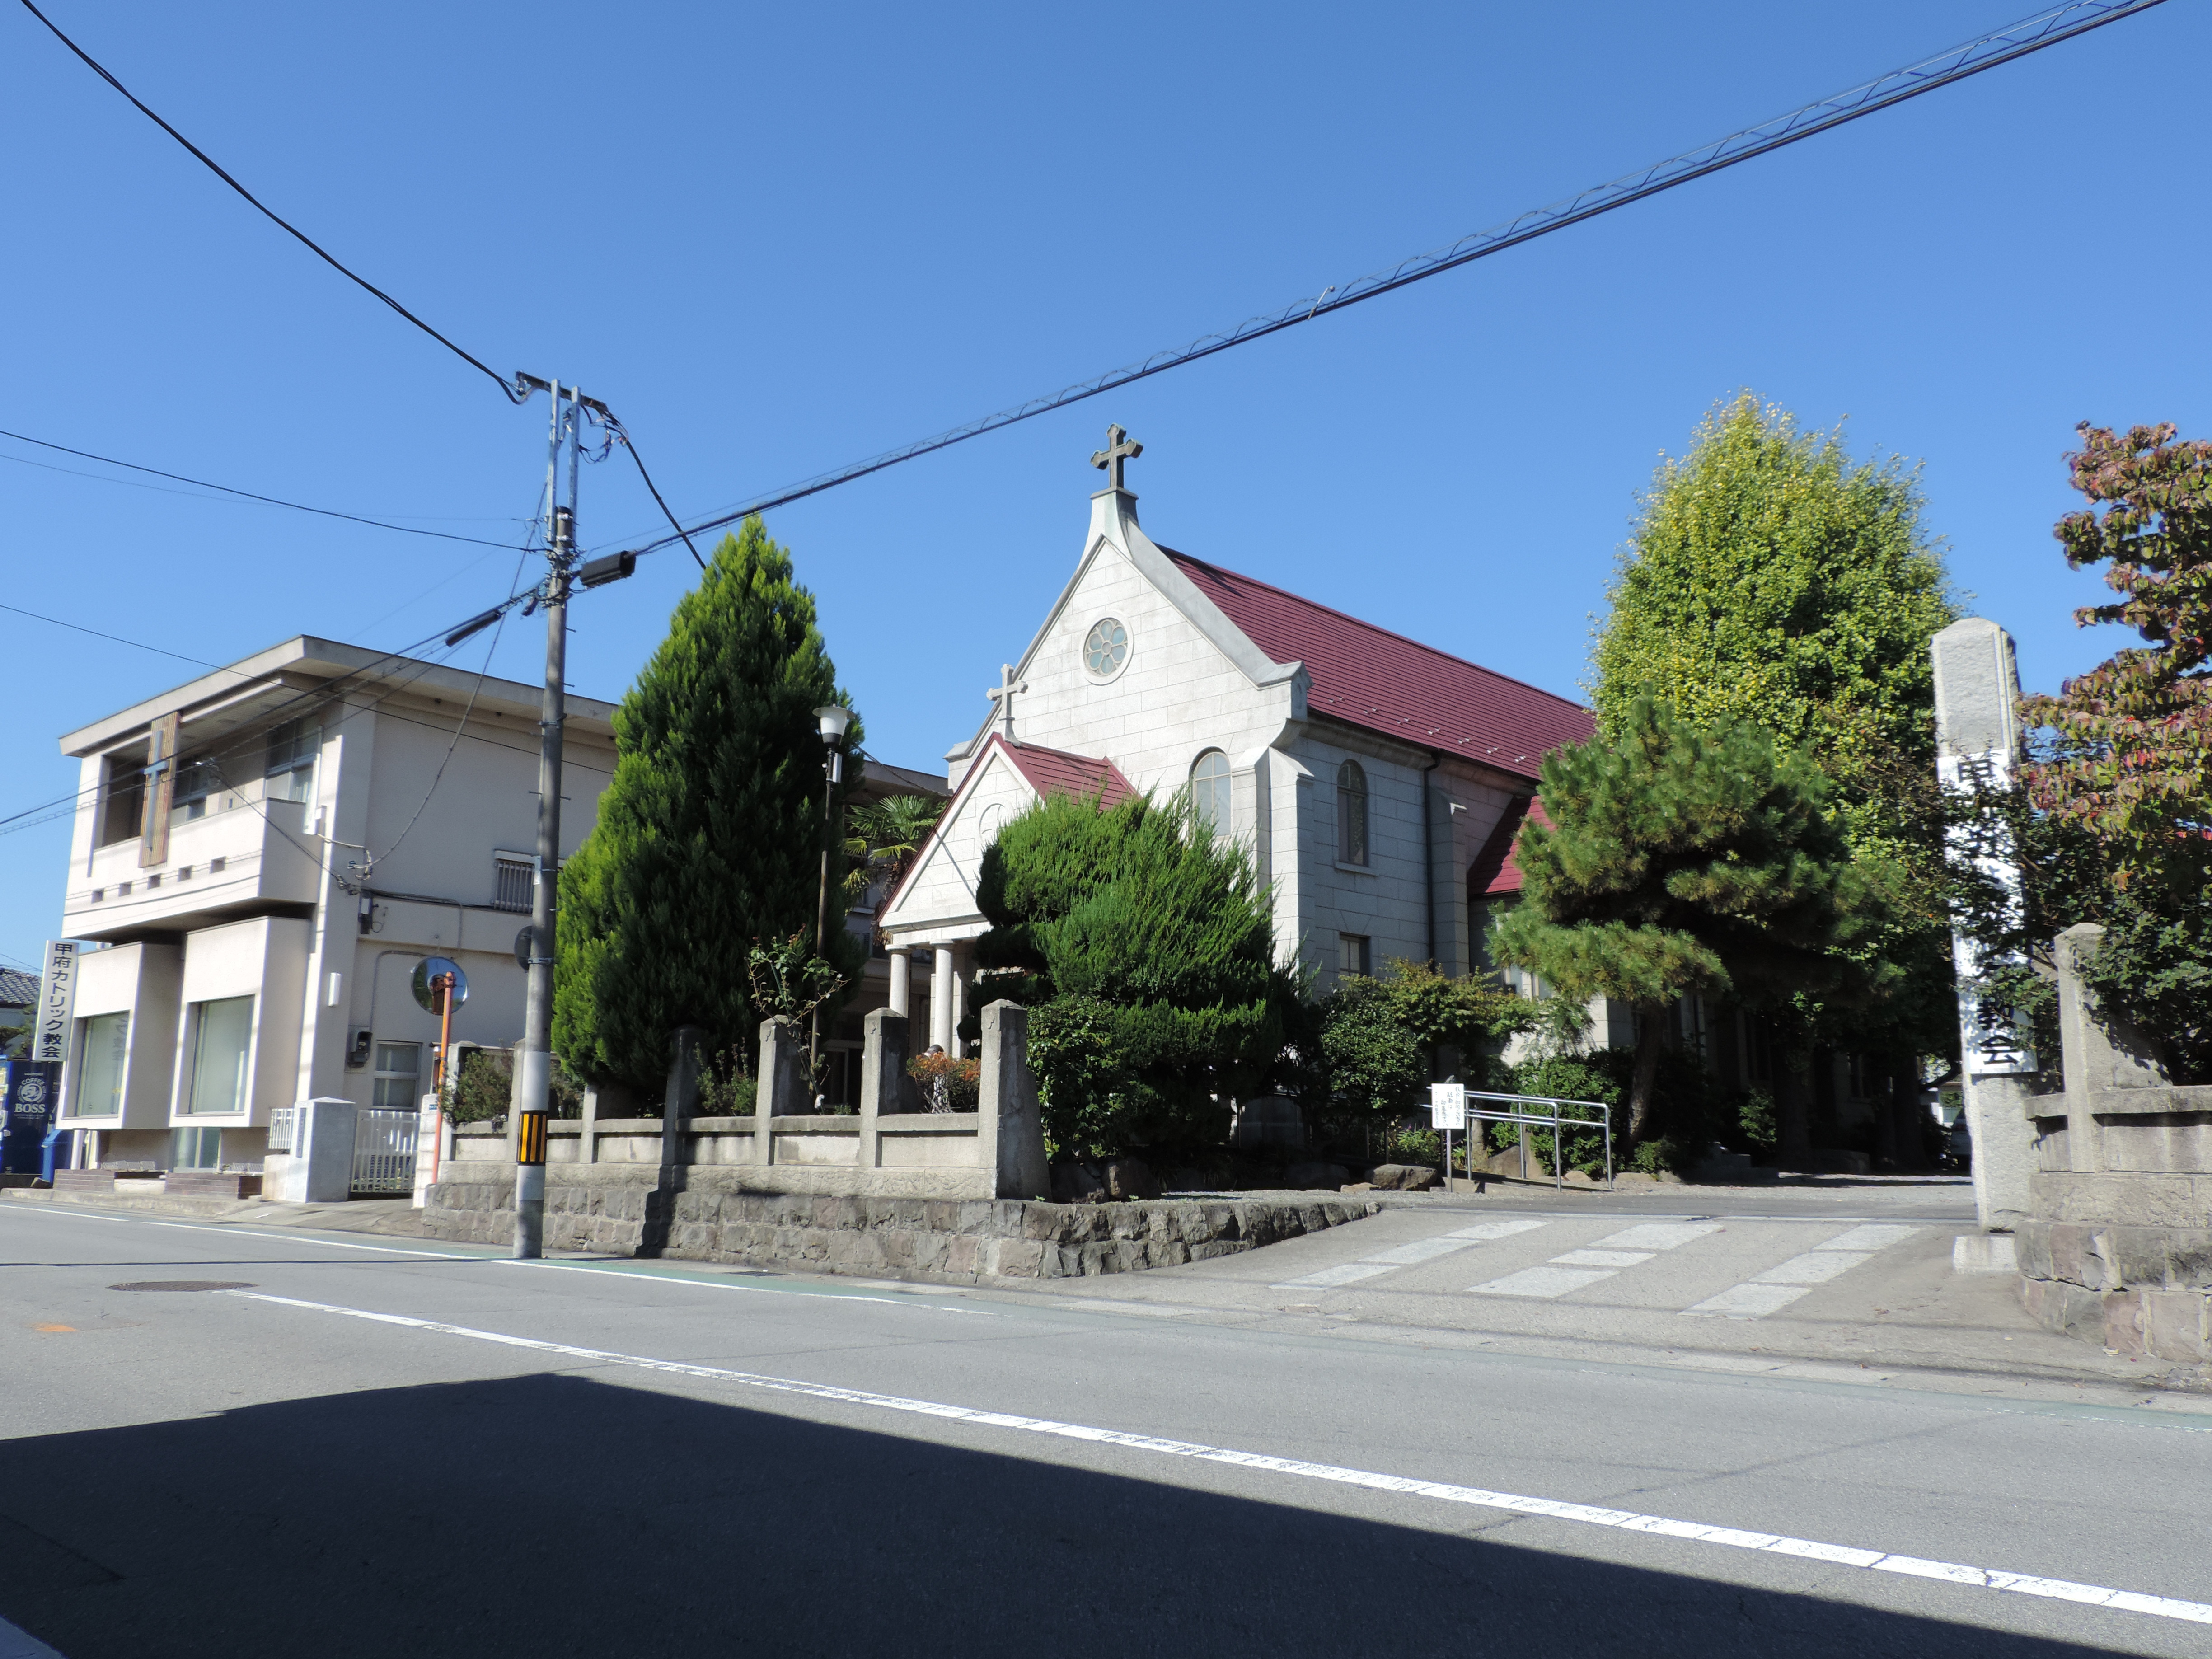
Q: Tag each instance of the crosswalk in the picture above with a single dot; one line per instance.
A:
(1695, 1252)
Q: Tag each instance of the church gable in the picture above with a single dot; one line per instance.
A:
(939, 893)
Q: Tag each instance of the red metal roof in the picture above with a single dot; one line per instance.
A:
(1054, 771)
(1495, 874)
(1368, 677)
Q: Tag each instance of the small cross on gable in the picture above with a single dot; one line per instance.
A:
(1120, 448)
(1003, 695)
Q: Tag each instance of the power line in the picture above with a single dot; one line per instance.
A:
(118, 638)
(271, 500)
(515, 393)
(2031, 34)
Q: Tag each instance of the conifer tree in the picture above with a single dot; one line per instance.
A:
(709, 837)
(1682, 860)
(1146, 947)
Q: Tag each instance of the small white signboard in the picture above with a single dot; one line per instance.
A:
(1448, 1105)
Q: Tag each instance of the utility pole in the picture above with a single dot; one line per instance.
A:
(533, 1055)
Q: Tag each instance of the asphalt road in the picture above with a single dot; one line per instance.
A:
(389, 1447)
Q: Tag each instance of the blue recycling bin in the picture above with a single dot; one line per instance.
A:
(48, 1150)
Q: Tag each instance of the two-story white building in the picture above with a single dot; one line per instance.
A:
(1375, 780)
(262, 856)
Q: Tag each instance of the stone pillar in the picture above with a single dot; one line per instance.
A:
(940, 999)
(1009, 1127)
(587, 1142)
(902, 970)
(320, 1169)
(680, 1104)
(777, 1085)
(882, 1079)
(1978, 731)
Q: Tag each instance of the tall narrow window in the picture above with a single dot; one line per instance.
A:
(398, 1072)
(1209, 791)
(514, 874)
(1350, 814)
(98, 1092)
(223, 1036)
(1352, 956)
(124, 803)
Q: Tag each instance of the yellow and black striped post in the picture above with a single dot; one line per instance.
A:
(530, 1144)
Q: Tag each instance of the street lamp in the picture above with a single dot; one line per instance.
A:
(834, 719)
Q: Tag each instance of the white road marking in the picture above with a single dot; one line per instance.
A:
(1547, 1281)
(612, 1270)
(1602, 1258)
(1657, 1235)
(1814, 1267)
(1099, 1305)
(1872, 1237)
(1484, 1230)
(328, 1243)
(1420, 1250)
(1776, 1287)
(1345, 1273)
(1407, 1255)
(1843, 1555)
(1750, 1301)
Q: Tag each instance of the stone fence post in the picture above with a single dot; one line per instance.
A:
(680, 1104)
(776, 1085)
(883, 1075)
(1010, 1128)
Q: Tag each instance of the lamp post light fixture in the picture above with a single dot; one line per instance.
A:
(834, 719)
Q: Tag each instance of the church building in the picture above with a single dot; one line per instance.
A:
(1376, 781)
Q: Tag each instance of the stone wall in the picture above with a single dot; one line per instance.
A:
(2116, 1247)
(704, 1214)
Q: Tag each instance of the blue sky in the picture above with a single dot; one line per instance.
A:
(780, 239)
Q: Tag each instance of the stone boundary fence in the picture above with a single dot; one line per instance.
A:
(886, 1190)
(2117, 1244)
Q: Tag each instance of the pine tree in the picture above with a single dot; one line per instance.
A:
(709, 837)
(1146, 947)
(1682, 860)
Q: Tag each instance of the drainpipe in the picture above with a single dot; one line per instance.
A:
(1428, 854)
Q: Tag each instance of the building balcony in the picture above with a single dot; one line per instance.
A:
(256, 856)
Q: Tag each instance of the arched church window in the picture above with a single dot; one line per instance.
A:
(1350, 813)
(1209, 791)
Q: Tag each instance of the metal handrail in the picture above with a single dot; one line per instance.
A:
(1552, 1120)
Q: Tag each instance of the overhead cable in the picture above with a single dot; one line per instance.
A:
(2045, 28)
(514, 392)
(272, 500)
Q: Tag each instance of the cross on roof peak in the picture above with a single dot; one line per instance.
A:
(1120, 448)
(1003, 695)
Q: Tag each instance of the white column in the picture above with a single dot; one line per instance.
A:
(940, 997)
(900, 968)
(959, 999)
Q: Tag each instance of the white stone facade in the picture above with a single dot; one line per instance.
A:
(1190, 681)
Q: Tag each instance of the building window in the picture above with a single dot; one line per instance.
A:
(1105, 648)
(102, 1043)
(123, 806)
(195, 1149)
(291, 767)
(1209, 791)
(1350, 814)
(512, 873)
(398, 1072)
(222, 1037)
(1352, 953)
(196, 780)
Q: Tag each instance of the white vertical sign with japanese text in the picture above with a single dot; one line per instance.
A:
(1448, 1105)
(49, 1040)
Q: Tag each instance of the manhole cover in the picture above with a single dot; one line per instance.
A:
(184, 1285)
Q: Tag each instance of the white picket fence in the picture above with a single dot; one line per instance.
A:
(384, 1150)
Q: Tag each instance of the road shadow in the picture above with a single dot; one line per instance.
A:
(553, 1516)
